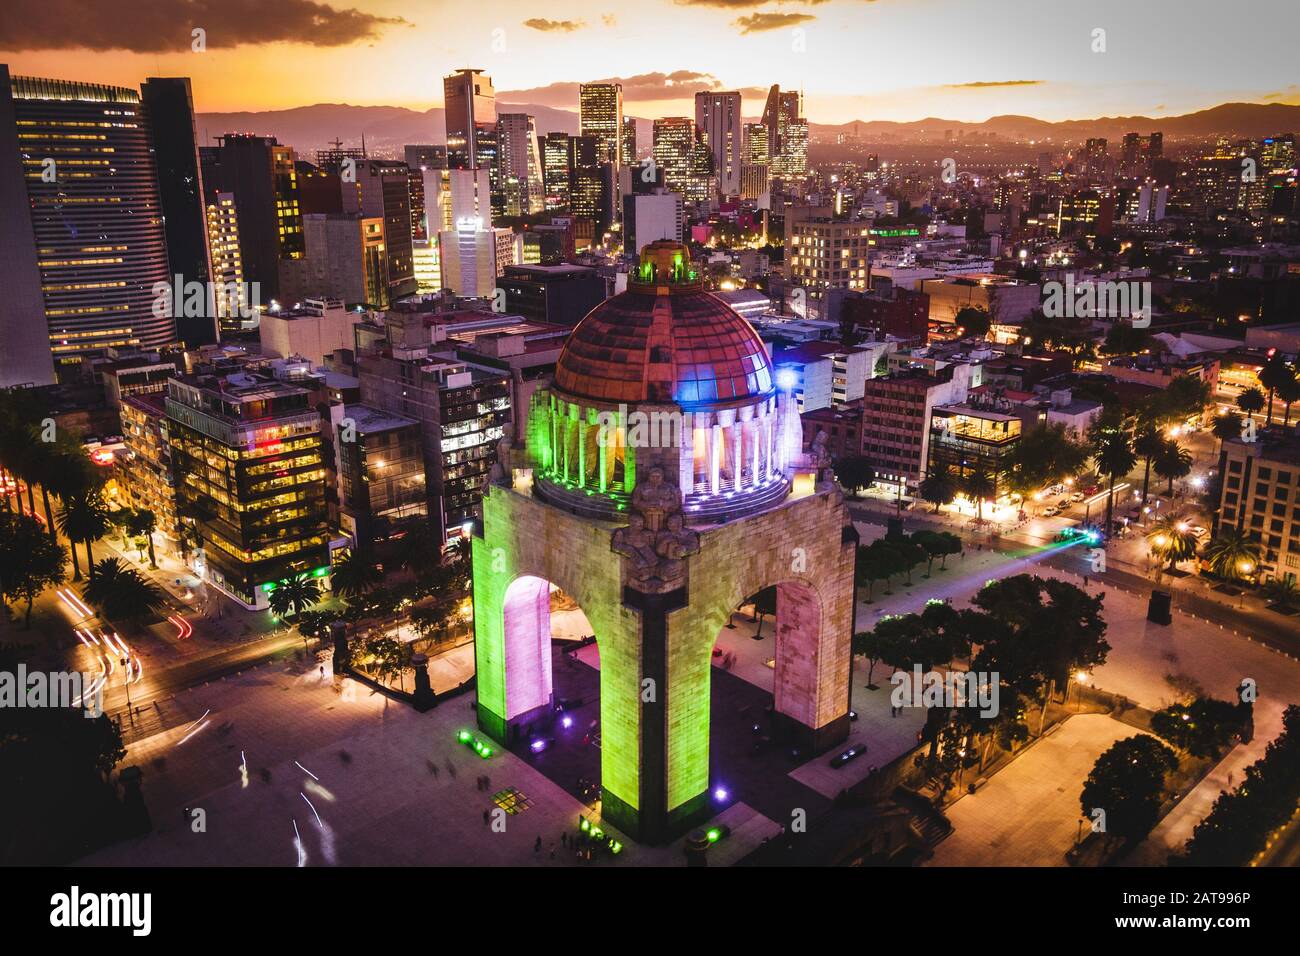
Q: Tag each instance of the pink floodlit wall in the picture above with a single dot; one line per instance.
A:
(527, 613)
(798, 643)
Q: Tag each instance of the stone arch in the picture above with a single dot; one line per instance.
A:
(526, 629)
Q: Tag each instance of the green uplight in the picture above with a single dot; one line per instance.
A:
(714, 835)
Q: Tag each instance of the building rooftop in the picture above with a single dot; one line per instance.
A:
(370, 420)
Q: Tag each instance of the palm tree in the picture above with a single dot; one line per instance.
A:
(355, 574)
(1173, 461)
(84, 518)
(143, 523)
(1227, 425)
(1288, 391)
(1114, 454)
(1231, 554)
(122, 593)
(1172, 542)
(1147, 444)
(1251, 401)
(1272, 376)
(292, 596)
(1282, 593)
(979, 486)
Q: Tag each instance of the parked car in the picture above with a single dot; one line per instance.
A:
(1078, 496)
(1051, 512)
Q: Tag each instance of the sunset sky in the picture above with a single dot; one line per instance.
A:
(855, 59)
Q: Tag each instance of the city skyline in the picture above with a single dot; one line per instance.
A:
(665, 52)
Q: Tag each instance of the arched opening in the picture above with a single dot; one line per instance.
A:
(552, 685)
(763, 704)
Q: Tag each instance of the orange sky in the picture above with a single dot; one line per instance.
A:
(855, 59)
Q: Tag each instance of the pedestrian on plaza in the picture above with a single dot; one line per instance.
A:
(485, 817)
(451, 769)
(1085, 580)
(537, 846)
(564, 839)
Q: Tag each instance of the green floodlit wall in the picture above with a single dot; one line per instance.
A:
(523, 536)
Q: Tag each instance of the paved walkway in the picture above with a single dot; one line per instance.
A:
(1028, 813)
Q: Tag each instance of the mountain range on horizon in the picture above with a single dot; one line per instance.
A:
(387, 128)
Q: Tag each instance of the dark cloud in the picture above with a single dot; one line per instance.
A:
(981, 84)
(555, 26)
(165, 26)
(759, 22)
(642, 87)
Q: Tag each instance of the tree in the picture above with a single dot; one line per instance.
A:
(1147, 444)
(388, 658)
(876, 562)
(1127, 783)
(292, 596)
(872, 646)
(1202, 728)
(1241, 823)
(973, 321)
(854, 473)
(1114, 454)
(1225, 426)
(29, 561)
(315, 625)
(1173, 461)
(938, 488)
(1231, 554)
(1275, 374)
(1251, 401)
(143, 523)
(418, 550)
(122, 593)
(1171, 541)
(949, 544)
(1123, 339)
(979, 486)
(84, 518)
(356, 573)
(1184, 397)
(1288, 392)
(1282, 593)
(1045, 455)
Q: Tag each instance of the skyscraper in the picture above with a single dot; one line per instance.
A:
(555, 163)
(674, 141)
(83, 208)
(717, 118)
(25, 358)
(600, 112)
(169, 110)
(229, 293)
(470, 112)
(261, 175)
(627, 145)
(470, 115)
(385, 194)
(787, 134)
(521, 164)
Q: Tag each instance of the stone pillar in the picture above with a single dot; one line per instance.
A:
(342, 661)
(424, 697)
(137, 820)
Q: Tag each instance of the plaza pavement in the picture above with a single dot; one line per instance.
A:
(1028, 812)
(381, 805)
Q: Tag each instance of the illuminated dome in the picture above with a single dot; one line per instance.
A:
(667, 378)
(665, 340)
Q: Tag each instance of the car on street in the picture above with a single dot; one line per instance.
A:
(1051, 512)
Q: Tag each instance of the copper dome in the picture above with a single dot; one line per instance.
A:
(664, 340)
